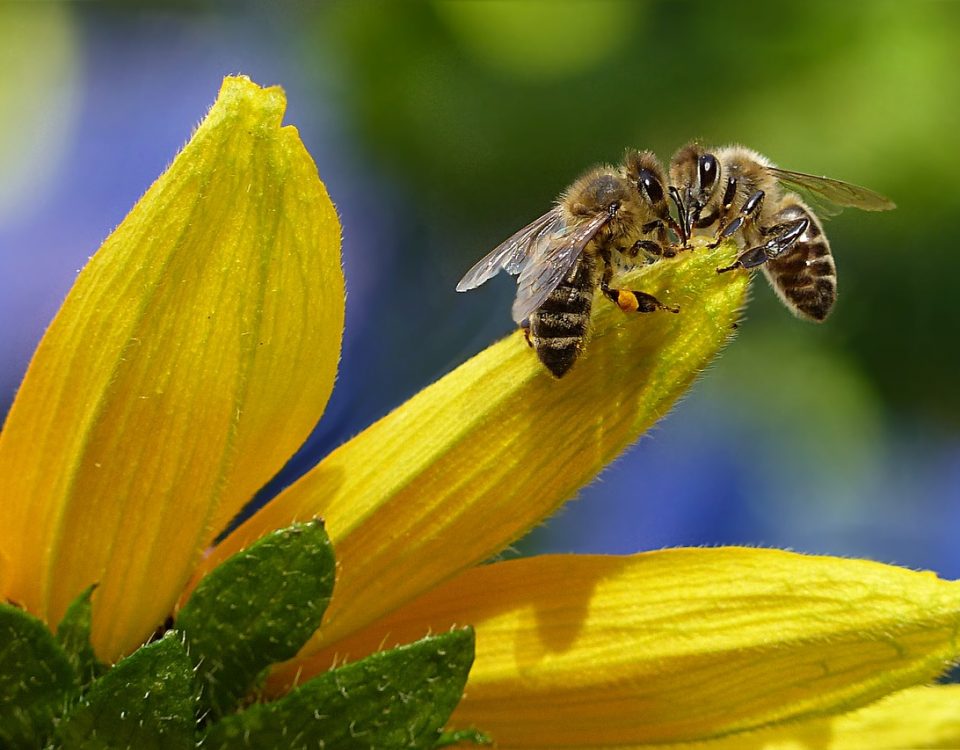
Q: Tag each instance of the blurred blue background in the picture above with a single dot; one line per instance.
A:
(440, 128)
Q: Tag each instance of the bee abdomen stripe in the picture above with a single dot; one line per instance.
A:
(805, 274)
(822, 265)
(567, 298)
(815, 301)
(817, 249)
(572, 319)
(789, 267)
(813, 286)
(559, 325)
(559, 342)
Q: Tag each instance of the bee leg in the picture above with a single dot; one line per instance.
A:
(679, 232)
(526, 333)
(748, 212)
(772, 248)
(644, 302)
(680, 226)
(656, 225)
(652, 250)
(631, 300)
(660, 245)
(658, 228)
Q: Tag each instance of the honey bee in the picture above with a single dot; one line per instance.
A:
(736, 189)
(609, 217)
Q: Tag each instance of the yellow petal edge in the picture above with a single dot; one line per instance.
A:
(680, 645)
(475, 460)
(192, 356)
(921, 718)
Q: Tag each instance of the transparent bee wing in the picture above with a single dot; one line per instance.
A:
(545, 269)
(836, 191)
(512, 254)
(823, 208)
(538, 243)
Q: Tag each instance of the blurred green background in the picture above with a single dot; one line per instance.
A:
(441, 127)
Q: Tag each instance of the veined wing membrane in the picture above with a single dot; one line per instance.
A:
(836, 191)
(546, 269)
(512, 254)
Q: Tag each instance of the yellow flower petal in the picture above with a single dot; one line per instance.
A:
(193, 355)
(923, 717)
(673, 646)
(476, 459)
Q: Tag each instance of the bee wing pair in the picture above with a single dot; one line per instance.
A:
(542, 253)
(837, 192)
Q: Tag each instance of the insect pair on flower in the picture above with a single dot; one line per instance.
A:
(617, 217)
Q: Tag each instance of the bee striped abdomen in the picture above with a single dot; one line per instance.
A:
(558, 328)
(805, 278)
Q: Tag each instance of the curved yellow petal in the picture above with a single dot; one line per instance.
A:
(476, 459)
(922, 717)
(193, 355)
(673, 646)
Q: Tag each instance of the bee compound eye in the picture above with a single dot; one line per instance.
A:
(707, 171)
(648, 183)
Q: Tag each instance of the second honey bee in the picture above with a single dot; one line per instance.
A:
(609, 214)
(735, 189)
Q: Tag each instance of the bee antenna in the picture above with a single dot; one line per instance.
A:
(682, 214)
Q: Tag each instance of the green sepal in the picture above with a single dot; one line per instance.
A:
(393, 699)
(73, 633)
(147, 702)
(463, 736)
(37, 679)
(255, 609)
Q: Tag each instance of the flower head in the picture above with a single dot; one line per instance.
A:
(199, 347)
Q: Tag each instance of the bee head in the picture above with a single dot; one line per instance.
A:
(695, 174)
(598, 191)
(644, 172)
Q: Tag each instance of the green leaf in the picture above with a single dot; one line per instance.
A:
(461, 736)
(393, 699)
(36, 679)
(257, 608)
(73, 633)
(147, 702)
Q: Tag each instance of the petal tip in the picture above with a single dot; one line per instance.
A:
(240, 94)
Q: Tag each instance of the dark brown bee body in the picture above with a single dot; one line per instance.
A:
(558, 328)
(805, 277)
